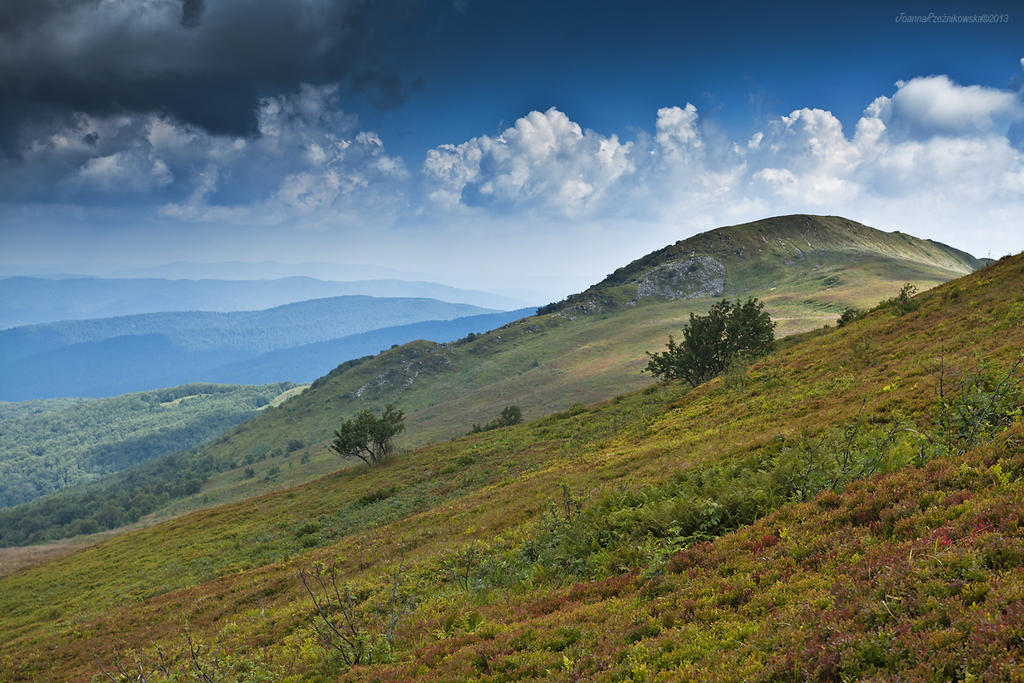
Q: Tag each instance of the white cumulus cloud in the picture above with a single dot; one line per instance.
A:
(933, 157)
(544, 161)
(935, 105)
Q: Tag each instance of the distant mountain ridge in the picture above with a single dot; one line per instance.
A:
(32, 300)
(806, 518)
(112, 356)
(264, 270)
(279, 327)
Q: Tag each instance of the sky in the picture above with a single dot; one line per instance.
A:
(527, 146)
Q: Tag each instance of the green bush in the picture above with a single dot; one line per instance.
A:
(904, 302)
(849, 315)
(510, 415)
(620, 529)
(711, 342)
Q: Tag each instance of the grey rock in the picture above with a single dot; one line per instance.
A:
(694, 277)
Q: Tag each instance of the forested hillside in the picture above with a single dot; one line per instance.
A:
(310, 361)
(47, 445)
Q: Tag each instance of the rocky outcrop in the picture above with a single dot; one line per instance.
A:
(583, 307)
(405, 368)
(686, 279)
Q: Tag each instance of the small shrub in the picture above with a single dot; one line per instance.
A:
(563, 638)
(379, 494)
(904, 302)
(862, 349)
(971, 406)
(368, 437)
(642, 632)
(510, 415)
(307, 528)
(849, 315)
(575, 409)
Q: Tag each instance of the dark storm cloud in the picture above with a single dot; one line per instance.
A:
(205, 63)
(191, 12)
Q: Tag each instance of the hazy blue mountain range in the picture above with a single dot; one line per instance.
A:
(112, 356)
(29, 300)
(218, 270)
(257, 331)
(309, 361)
(269, 270)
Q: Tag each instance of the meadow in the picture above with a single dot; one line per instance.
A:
(668, 532)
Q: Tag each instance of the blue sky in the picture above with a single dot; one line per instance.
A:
(612, 64)
(530, 145)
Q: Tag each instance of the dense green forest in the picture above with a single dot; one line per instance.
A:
(47, 445)
(113, 501)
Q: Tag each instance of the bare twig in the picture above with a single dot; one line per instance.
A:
(193, 653)
(349, 634)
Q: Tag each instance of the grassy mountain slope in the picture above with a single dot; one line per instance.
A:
(46, 445)
(582, 352)
(28, 300)
(591, 347)
(120, 432)
(803, 254)
(919, 568)
(92, 438)
(110, 356)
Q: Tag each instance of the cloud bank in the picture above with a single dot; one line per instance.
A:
(307, 158)
(932, 157)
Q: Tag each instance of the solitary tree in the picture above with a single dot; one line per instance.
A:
(367, 436)
(710, 342)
